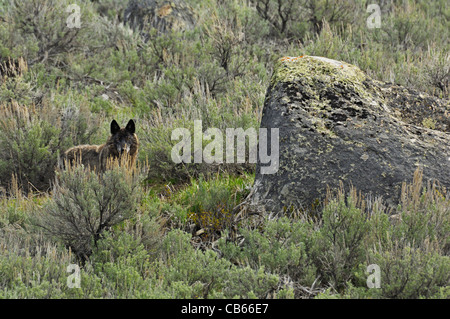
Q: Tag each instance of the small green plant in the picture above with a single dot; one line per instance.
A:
(207, 275)
(337, 248)
(212, 203)
(211, 222)
(281, 247)
(29, 148)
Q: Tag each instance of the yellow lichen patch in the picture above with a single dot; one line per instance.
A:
(289, 58)
(213, 221)
(164, 10)
(291, 68)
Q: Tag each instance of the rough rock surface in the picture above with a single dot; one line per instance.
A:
(161, 15)
(336, 124)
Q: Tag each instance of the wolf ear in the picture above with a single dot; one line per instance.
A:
(114, 127)
(131, 127)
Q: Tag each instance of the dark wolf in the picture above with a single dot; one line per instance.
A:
(122, 142)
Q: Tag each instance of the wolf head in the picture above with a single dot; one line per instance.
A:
(123, 140)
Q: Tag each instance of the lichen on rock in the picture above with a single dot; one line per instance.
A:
(337, 125)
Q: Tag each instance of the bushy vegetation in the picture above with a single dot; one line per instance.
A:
(170, 230)
(302, 256)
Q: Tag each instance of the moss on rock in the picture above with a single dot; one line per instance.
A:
(336, 125)
(314, 70)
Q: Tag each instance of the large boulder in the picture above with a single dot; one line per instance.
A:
(338, 125)
(162, 15)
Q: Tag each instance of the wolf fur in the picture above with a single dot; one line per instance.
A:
(123, 141)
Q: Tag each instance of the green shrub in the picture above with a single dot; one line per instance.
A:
(294, 18)
(157, 145)
(308, 253)
(123, 263)
(29, 149)
(210, 204)
(32, 140)
(413, 273)
(47, 32)
(85, 204)
(424, 215)
(209, 275)
(327, 255)
(30, 266)
(282, 247)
